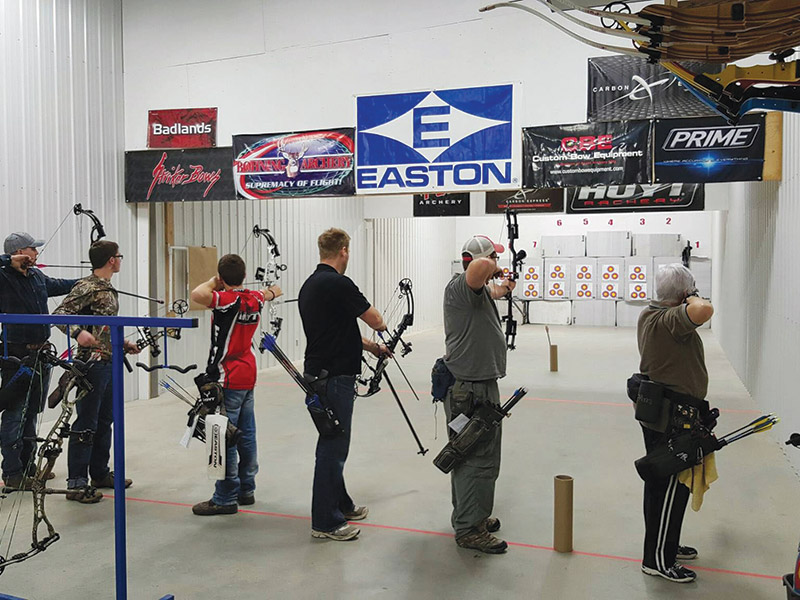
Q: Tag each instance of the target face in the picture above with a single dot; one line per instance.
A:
(532, 274)
(609, 273)
(637, 291)
(584, 272)
(532, 290)
(555, 290)
(557, 271)
(637, 273)
(584, 291)
(609, 291)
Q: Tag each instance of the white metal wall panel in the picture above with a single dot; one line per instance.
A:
(756, 318)
(61, 132)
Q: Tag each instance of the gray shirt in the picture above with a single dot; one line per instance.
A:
(476, 346)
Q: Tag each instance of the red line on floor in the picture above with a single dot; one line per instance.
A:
(450, 535)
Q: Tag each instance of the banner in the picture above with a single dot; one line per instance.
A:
(545, 200)
(624, 87)
(439, 140)
(636, 198)
(709, 150)
(179, 175)
(441, 205)
(586, 154)
(308, 163)
(182, 128)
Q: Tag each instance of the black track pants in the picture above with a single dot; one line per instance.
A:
(665, 502)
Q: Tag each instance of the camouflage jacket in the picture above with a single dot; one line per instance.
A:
(92, 295)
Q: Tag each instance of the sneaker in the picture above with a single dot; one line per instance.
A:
(490, 524)
(340, 534)
(108, 481)
(208, 508)
(481, 539)
(85, 495)
(686, 553)
(359, 513)
(247, 500)
(677, 573)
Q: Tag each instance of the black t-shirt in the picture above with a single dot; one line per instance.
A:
(329, 305)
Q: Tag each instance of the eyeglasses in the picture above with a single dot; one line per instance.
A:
(494, 255)
(118, 256)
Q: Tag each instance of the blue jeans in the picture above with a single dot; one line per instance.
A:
(17, 438)
(330, 499)
(90, 437)
(241, 461)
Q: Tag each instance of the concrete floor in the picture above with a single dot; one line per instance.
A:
(577, 422)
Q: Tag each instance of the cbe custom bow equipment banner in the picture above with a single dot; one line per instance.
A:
(636, 198)
(441, 205)
(309, 163)
(438, 140)
(545, 200)
(182, 128)
(179, 175)
(710, 150)
(624, 87)
(586, 154)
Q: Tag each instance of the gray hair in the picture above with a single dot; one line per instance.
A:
(673, 283)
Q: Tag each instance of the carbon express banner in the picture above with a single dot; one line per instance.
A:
(179, 175)
(586, 154)
(636, 198)
(544, 200)
(710, 150)
(308, 163)
(441, 205)
(624, 87)
(438, 140)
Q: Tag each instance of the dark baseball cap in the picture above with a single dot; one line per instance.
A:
(19, 240)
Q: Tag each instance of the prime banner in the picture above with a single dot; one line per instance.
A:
(179, 175)
(586, 154)
(625, 87)
(709, 150)
(438, 140)
(441, 205)
(636, 198)
(182, 128)
(308, 163)
(545, 200)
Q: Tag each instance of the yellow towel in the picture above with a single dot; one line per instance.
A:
(699, 478)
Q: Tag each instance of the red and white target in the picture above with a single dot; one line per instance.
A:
(637, 291)
(609, 273)
(584, 291)
(637, 273)
(555, 290)
(532, 290)
(584, 272)
(532, 274)
(609, 290)
(557, 271)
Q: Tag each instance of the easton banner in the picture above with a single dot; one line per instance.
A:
(441, 205)
(710, 150)
(179, 175)
(624, 87)
(439, 140)
(636, 198)
(308, 163)
(585, 154)
(182, 128)
(544, 200)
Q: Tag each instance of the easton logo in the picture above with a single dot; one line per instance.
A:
(711, 138)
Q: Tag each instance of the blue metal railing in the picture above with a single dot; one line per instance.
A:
(117, 326)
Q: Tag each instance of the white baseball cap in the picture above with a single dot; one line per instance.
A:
(480, 246)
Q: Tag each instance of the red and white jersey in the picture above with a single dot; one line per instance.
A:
(235, 320)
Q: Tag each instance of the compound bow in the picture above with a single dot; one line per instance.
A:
(517, 257)
(49, 451)
(371, 376)
(267, 275)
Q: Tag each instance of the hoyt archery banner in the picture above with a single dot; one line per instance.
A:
(441, 205)
(179, 175)
(182, 128)
(586, 154)
(545, 200)
(635, 198)
(308, 163)
(709, 150)
(624, 87)
(438, 140)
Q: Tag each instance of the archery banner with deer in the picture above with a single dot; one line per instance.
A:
(311, 163)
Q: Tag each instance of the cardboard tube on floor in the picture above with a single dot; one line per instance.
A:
(562, 514)
(554, 358)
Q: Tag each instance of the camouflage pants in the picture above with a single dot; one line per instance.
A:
(472, 482)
